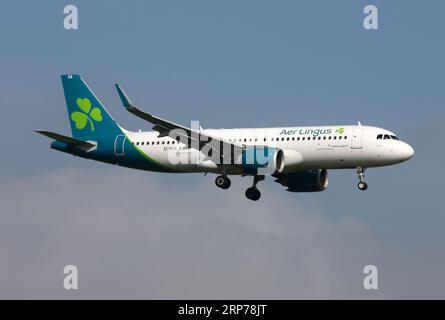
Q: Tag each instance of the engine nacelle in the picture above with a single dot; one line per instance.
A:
(288, 160)
(266, 160)
(305, 181)
(259, 160)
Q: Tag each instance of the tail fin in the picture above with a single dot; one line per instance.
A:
(88, 117)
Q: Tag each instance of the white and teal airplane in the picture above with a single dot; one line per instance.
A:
(296, 157)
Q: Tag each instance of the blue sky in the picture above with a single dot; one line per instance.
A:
(243, 64)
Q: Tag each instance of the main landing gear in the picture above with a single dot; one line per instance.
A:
(253, 193)
(223, 182)
(362, 185)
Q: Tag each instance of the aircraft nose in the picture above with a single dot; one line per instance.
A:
(407, 152)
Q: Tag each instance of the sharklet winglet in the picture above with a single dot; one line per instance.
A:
(124, 97)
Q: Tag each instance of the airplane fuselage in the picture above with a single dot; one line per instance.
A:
(322, 147)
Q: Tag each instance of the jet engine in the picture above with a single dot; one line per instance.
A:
(305, 181)
(288, 160)
(266, 160)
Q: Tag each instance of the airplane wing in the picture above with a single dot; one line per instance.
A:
(166, 127)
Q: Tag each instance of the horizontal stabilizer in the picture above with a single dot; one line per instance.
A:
(67, 140)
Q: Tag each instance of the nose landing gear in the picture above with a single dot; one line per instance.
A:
(253, 193)
(362, 185)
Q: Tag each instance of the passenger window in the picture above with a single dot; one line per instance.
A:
(168, 142)
(319, 138)
(137, 143)
(157, 142)
(288, 139)
(298, 139)
(346, 137)
(302, 138)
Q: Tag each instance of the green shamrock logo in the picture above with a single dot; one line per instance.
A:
(340, 130)
(87, 115)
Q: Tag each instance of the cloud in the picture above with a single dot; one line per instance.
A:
(137, 235)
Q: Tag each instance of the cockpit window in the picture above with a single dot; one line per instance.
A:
(387, 137)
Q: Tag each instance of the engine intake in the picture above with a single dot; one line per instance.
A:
(259, 160)
(265, 160)
(288, 160)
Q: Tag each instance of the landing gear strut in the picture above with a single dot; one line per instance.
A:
(223, 182)
(253, 193)
(362, 185)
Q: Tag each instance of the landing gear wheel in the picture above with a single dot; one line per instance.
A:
(223, 182)
(362, 186)
(253, 194)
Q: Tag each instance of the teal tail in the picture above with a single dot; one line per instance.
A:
(88, 117)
